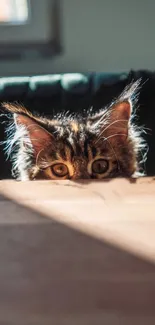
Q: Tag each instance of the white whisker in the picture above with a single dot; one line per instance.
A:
(108, 126)
(111, 136)
(37, 158)
(118, 164)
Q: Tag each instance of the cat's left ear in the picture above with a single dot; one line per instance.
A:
(114, 120)
(119, 117)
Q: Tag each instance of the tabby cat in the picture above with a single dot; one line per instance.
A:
(100, 145)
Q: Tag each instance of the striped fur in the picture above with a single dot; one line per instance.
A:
(104, 144)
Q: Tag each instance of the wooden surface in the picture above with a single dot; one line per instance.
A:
(77, 253)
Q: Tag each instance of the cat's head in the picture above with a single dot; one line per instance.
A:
(101, 145)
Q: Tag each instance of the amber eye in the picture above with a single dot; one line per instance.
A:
(59, 170)
(100, 166)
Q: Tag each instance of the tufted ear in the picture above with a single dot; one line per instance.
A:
(116, 118)
(119, 117)
(39, 137)
(113, 121)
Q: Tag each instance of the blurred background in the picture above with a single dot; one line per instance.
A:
(58, 55)
(58, 36)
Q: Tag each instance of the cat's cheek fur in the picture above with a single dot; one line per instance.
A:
(37, 174)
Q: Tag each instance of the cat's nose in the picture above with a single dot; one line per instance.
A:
(81, 176)
(80, 169)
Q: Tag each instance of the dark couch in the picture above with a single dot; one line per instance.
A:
(76, 92)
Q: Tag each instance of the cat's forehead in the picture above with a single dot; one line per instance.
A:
(71, 128)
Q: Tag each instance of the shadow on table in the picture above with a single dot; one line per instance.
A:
(51, 274)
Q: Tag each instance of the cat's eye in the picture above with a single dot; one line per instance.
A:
(59, 170)
(100, 166)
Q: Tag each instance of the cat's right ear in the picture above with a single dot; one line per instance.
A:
(39, 137)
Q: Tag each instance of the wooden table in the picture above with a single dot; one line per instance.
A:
(77, 253)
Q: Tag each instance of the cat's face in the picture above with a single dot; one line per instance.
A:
(77, 151)
(95, 147)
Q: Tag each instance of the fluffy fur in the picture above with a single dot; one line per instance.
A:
(100, 145)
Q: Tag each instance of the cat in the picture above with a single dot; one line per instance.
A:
(99, 145)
